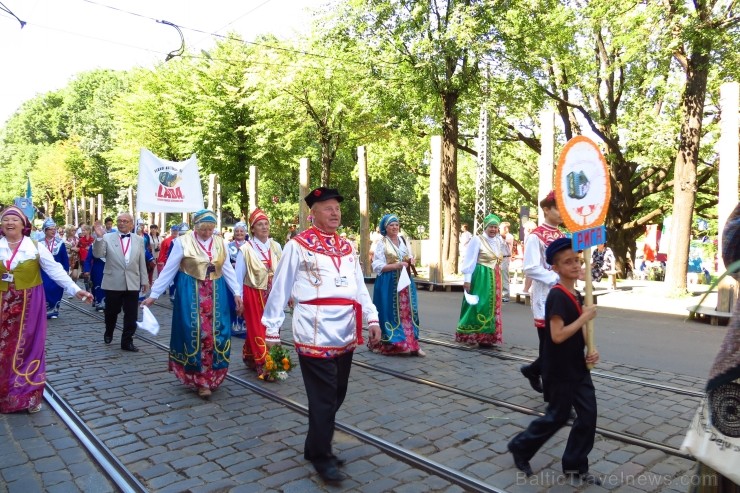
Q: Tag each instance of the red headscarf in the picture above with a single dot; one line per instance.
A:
(257, 215)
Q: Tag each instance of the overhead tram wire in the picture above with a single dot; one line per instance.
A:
(243, 15)
(184, 55)
(254, 43)
(237, 19)
(178, 52)
(23, 23)
(87, 36)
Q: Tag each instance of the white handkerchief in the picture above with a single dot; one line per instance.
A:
(148, 322)
(472, 299)
(404, 280)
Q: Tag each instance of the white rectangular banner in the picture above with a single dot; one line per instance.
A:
(167, 186)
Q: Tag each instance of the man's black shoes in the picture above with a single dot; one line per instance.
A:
(534, 380)
(130, 347)
(107, 338)
(331, 474)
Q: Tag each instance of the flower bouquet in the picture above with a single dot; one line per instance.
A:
(277, 364)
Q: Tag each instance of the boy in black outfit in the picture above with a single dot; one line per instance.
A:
(565, 376)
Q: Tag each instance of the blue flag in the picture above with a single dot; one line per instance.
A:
(28, 190)
(25, 204)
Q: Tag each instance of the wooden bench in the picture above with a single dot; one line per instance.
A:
(705, 311)
(525, 298)
(612, 278)
(431, 286)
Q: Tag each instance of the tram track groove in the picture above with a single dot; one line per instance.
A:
(605, 432)
(506, 356)
(102, 455)
(608, 376)
(418, 461)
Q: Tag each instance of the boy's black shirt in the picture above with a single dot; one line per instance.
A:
(564, 362)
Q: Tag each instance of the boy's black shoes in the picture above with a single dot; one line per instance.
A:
(534, 380)
(520, 462)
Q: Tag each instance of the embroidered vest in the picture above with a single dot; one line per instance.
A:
(391, 254)
(258, 273)
(486, 255)
(195, 260)
(25, 275)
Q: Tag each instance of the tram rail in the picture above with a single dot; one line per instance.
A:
(608, 376)
(418, 461)
(123, 478)
(507, 356)
(614, 435)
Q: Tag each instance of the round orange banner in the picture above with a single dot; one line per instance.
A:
(582, 186)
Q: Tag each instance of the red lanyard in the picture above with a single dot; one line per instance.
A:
(336, 259)
(51, 248)
(207, 250)
(14, 252)
(267, 258)
(125, 250)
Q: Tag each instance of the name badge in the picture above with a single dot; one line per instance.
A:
(7, 277)
(210, 269)
(341, 282)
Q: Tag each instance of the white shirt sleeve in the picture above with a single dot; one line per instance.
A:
(241, 266)
(379, 260)
(533, 266)
(363, 297)
(54, 270)
(282, 285)
(227, 270)
(471, 258)
(170, 270)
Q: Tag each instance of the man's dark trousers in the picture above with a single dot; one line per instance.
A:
(326, 382)
(114, 301)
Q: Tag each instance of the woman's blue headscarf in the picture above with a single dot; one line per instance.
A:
(385, 221)
(204, 216)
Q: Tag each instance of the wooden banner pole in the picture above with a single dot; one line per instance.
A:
(589, 300)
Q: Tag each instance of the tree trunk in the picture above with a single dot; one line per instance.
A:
(325, 168)
(450, 192)
(327, 157)
(621, 206)
(243, 198)
(684, 188)
(243, 186)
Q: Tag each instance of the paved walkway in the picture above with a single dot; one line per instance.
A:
(174, 441)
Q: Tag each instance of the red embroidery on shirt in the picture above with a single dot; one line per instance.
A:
(547, 234)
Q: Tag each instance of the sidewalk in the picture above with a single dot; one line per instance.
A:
(650, 296)
(647, 296)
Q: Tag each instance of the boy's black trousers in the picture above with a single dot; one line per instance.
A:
(563, 395)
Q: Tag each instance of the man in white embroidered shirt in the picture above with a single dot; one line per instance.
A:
(320, 273)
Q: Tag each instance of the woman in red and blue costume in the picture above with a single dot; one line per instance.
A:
(23, 314)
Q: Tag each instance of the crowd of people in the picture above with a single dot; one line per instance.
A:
(241, 287)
